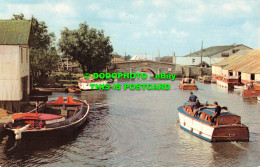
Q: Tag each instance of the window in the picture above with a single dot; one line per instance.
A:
(225, 54)
(252, 77)
(21, 55)
(27, 55)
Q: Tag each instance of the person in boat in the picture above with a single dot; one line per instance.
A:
(216, 113)
(186, 80)
(251, 85)
(192, 97)
(196, 108)
(193, 81)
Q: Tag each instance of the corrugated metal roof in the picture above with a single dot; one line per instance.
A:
(14, 32)
(247, 63)
(213, 50)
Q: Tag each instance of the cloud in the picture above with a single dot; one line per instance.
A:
(107, 13)
(138, 3)
(94, 7)
(236, 7)
(192, 14)
(102, 12)
(161, 3)
(258, 37)
(126, 16)
(63, 9)
(179, 34)
(153, 18)
(247, 27)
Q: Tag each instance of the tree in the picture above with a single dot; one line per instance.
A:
(43, 55)
(116, 55)
(88, 46)
(43, 62)
(128, 57)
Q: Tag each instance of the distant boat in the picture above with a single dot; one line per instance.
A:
(205, 79)
(239, 87)
(213, 80)
(84, 84)
(73, 90)
(53, 118)
(227, 81)
(251, 89)
(188, 84)
(228, 126)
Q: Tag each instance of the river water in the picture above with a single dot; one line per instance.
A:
(139, 128)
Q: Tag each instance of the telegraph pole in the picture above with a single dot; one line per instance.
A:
(201, 53)
(159, 56)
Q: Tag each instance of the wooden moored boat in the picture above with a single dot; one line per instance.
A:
(73, 90)
(53, 118)
(188, 84)
(213, 80)
(84, 84)
(205, 79)
(228, 126)
(251, 90)
(227, 81)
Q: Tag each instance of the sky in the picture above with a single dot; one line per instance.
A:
(150, 26)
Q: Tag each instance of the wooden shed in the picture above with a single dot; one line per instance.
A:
(14, 64)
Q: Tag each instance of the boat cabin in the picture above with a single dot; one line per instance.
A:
(188, 81)
(225, 118)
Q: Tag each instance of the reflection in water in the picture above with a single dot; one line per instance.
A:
(138, 128)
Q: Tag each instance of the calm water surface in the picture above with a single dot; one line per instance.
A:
(139, 128)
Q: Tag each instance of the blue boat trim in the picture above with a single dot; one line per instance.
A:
(211, 111)
(180, 109)
(202, 137)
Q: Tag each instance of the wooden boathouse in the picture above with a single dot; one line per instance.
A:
(14, 64)
(243, 66)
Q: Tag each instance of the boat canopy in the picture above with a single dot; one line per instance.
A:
(35, 116)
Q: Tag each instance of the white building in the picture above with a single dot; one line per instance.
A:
(194, 61)
(211, 55)
(14, 64)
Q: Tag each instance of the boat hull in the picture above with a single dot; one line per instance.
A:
(74, 90)
(226, 83)
(86, 85)
(188, 87)
(230, 133)
(251, 93)
(60, 131)
(204, 130)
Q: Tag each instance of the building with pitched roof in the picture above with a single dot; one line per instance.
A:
(14, 64)
(244, 65)
(210, 55)
(219, 51)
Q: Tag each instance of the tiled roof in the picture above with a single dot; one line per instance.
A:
(14, 32)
